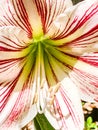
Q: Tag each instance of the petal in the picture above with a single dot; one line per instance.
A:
(16, 101)
(13, 13)
(85, 76)
(76, 36)
(90, 58)
(12, 51)
(75, 28)
(67, 108)
(31, 15)
(32, 112)
(19, 13)
(13, 42)
(50, 9)
(15, 77)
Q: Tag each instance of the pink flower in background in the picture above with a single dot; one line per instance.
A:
(48, 61)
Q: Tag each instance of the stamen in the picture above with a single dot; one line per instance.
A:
(35, 99)
(44, 97)
(42, 84)
(53, 90)
(42, 94)
(51, 96)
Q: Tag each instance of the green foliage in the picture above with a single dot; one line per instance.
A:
(90, 125)
(41, 123)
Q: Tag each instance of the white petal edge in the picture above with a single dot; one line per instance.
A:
(30, 116)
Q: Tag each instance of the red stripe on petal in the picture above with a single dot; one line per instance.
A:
(86, 16)
(66, 108)
(84, 19)
(76, 23)
(6, 94)
(90, 59)
(14, 14)
(49, 10)
(22, 15)
(58, 109)
(68, 103)
(87, 83)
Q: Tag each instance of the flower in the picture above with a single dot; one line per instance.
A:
(48, 61)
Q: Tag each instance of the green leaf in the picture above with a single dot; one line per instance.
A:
(41, 123)
(88, 123)
(89, 120)
(93, 126)
(36, 124)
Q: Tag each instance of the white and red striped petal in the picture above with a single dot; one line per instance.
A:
(75, 33)
(50, 9)
(15, 77)
(13, 13)
(22, 14)
(85, 76)
(32, 16)
(13, 49)
(76, 26)
(66, 113)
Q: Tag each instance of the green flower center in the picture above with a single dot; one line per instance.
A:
(46, 65)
